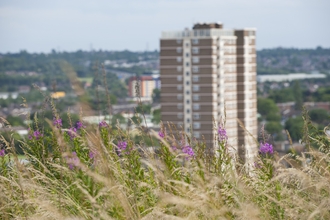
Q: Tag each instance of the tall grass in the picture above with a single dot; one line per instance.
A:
(99, 172)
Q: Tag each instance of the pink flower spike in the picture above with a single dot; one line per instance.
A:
(266, 148)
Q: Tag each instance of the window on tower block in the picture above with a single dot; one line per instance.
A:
(195, 59)
(196, 106)
(195, 69)
(197, 125)
(196, 116)
(195, 97)
(195, 78)
(195, 41)
(196, 88)
(195, 50)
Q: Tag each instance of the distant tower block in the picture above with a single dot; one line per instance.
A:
(147, 84)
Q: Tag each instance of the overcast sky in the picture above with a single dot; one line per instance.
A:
(70, 25)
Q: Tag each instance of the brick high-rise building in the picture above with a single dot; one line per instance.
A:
(205, 72)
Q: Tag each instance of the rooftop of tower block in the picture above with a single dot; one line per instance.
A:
(207, 26)
(205, 30)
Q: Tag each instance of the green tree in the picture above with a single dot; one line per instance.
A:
(282, 95)
(119, 118)
(156, 116)
(297, 95)
(270, 112)
(113, 99)
(143, 109)
(15, 121)
(320, 116)
(267, 107)
(295, 127)
(273, 116)
(114, 85)
(322, 94)
(273, 127)
(33, 96)
(136, 119)
(156, 95)
(4, 103)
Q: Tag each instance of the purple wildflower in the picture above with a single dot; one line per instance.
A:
(222, 134)
(266, 148)
(122, 145)
(37, 135)
(161, 134)
(57, 122)
(91, 155)
(103, 124)
(79, 125)
(2, 152)
(72, 132)
(72, 161)
(70, 166)
(174, 148)
(188, 150)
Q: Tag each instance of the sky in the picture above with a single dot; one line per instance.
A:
(136, 25)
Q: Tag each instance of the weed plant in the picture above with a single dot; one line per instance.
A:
(99, 172)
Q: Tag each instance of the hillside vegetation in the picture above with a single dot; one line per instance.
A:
(291, 60)
(97, 172)
(269, 61)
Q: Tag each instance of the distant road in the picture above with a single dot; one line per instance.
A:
(121, 74)
(127, 107)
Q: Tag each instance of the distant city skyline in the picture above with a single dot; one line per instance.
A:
(40, 26)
